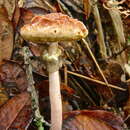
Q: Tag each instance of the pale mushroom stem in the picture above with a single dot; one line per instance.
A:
(55, 100)
(54, 91)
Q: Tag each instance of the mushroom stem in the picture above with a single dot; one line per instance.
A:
(54, 86)
(55, 100)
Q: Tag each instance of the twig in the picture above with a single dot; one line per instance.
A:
(74, 5)
(97, 18)
(65, 75)
(64, 8)
(96, 81)
(49, 5)
(83, 91)
(94, 59)
(31, 89)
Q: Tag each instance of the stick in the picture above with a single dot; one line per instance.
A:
(97, 18)
(90, 52)
(96, 81)
(65, 75)
(31, 89)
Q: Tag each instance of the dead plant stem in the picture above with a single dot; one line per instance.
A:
(96, 63)
(31, 88)
(96, 81)
(100, 30)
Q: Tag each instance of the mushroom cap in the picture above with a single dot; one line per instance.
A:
(53, 27)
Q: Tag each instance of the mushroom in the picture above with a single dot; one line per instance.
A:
(53, 28)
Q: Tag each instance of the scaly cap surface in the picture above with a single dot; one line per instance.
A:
(53, 27)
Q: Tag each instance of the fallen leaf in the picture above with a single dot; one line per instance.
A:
(26, 15)
(91, 120)
(35, 49)
(128, 3)
(10, 7)
(126, 107)
(113, 72)
(10, 110)
(66, 107)
(13, 75)
(3, 95)
(86, 65)
(23, 119)
(6, 35)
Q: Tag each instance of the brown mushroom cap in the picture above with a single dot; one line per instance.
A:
(53, 27)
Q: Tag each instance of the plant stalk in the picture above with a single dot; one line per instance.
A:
(97, 18)
(38, 118)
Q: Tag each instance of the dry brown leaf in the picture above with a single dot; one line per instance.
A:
(86, 66)
(35, 49)
(10, 110)
(23, 119)
(26, 15)
(127, 106)
(3, 95)
(113, 72)
(13, 75)
(6, 35)
(10, 7)
(128, 3)
(91, 120)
